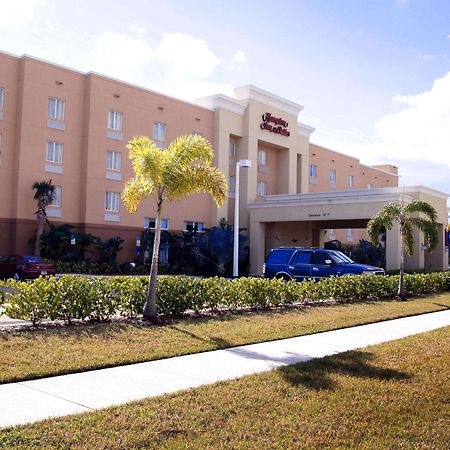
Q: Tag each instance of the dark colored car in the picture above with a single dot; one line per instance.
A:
(304, 263)
(25, 267)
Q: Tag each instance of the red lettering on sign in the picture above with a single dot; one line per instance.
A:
(280, 124)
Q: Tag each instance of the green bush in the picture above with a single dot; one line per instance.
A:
(78, 298)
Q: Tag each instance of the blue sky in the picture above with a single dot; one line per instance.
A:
(373, 75)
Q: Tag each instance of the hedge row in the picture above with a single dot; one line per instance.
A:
(71, 297)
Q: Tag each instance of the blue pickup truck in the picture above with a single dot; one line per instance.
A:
(305, 263)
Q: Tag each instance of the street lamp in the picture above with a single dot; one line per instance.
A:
(239, 164)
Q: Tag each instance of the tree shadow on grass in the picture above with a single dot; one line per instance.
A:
(317, 374)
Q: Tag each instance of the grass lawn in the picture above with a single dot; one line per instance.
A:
(39, 353)
(393, 395)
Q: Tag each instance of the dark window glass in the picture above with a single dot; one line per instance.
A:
(32, 259)
(279, 256)
(301, 258)
(320, 258)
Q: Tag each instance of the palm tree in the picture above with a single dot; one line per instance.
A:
(183, 168)
(418, 214)
(45, 191)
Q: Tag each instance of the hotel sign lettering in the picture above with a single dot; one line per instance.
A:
(274, 124)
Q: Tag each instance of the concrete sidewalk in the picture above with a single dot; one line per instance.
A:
(30, 401)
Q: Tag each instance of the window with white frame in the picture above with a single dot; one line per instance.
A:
(113, 160)
(57, 195)
(190, 225)
(2, 97)
(331, 234)
(115, 120)
(350, 181)
(313, 170)
(232, 183)
(262, 188)
(159, 131)
(232, 150)
(112, 201)
(56, 108)
(349, 235)
(332, 176)
(54, 153)
(150, 222)
(369, 186)
(262, 158)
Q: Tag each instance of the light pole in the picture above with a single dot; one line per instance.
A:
(239, 164)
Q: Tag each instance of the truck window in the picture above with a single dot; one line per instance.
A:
(279, 256)
(301, 258)
(320, 258)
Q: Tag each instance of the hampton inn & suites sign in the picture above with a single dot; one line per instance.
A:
(275, 125)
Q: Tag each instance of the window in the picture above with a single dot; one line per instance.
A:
(320, 259)
(313, 170)
(232, 183)
(331, 234)
(56, 108)
(332, 175)
(301, 258)
(115, 120)
(57, 194)
(369, 186)
(349, 235)
(2, 97)
(112, 201)
(199, 227)
(113, 160)
(262, 158)
(159, 131)
(262, 188)
(232, 150)
(54, 152)
(150, 222)
(350, 181)
(163, 253)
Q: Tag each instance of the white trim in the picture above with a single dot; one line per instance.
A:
(251, 92)
(221, 101)
(305, 130)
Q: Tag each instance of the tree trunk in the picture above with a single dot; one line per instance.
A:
(150, 311)
(40, 228)
(401, 281)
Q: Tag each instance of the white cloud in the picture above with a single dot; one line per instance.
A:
(240, 57)
(417, 138)
(18, 13)
(187, 57)
(139, 31)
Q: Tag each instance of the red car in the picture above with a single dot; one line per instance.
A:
(25, 267)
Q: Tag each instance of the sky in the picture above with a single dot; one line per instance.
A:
(373, 75)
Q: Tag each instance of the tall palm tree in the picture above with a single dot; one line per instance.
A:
(183, 168)
(415, 214)
(44, 192)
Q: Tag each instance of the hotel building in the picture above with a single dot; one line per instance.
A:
(72, 127)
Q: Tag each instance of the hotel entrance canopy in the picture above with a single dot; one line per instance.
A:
(301, 220)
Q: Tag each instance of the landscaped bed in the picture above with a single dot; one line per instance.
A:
(58, 350)
(393, 395)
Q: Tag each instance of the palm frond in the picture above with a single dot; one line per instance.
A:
(135, 190)
(408, 237)
(147, 159)
(199, 178)
(383, 220)
(421, 207)
(429, 229)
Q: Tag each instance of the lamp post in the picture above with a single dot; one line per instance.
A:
(239, 164)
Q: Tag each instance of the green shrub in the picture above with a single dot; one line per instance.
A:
(77, 298)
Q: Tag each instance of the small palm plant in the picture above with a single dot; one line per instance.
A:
(415, 214)
(44, 192)
(182, 169)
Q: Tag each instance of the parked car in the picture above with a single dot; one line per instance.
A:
(22, 267)
(305, 263)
